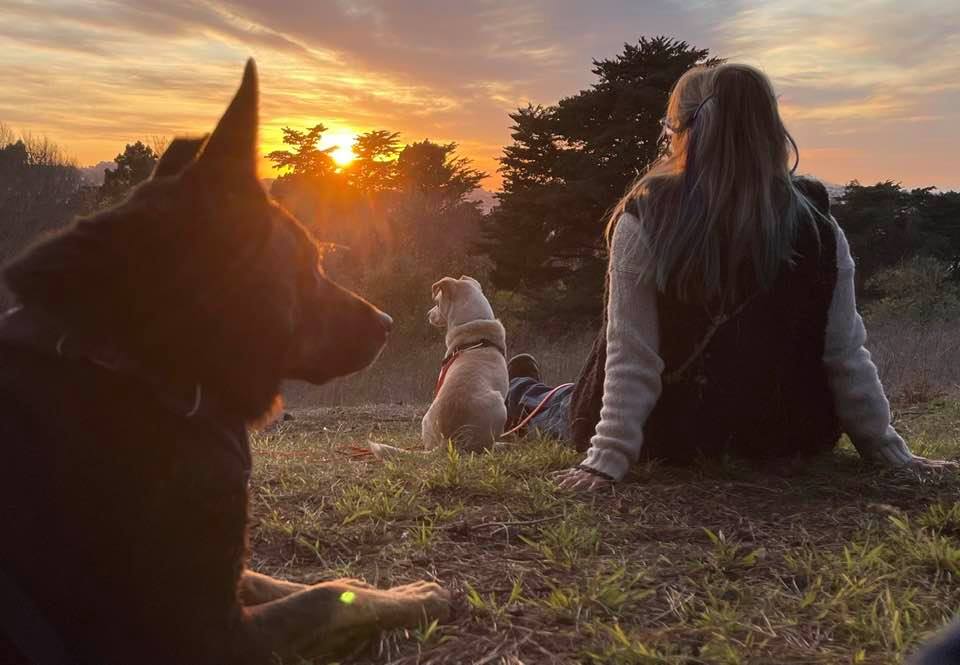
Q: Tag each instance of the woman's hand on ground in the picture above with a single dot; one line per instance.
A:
(580, 480)
(924, 464)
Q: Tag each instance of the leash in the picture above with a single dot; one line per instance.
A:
(357, 452)
(537, 409)
(360, 453)
(448, 363)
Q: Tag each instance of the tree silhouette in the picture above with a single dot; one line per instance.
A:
(305, 158)
(134, 165)
(887, 224)
(434, 170)
(398, 217)
(567, 166)
(374, 167)
(40, 191)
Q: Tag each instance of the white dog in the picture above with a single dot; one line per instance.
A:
(468, 407)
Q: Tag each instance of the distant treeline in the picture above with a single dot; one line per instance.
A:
(399, 216)
(393, 220)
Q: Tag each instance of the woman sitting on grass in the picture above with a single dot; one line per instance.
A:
(731, 325)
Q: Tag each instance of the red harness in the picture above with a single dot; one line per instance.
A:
(456, 353)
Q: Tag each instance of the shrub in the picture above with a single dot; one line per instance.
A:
(918, 290)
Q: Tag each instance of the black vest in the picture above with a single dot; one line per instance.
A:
(753, 385)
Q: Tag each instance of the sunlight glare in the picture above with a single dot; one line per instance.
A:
(343, 140)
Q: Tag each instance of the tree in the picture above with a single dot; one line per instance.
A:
(515, 234)
(398, 217)
(305, 159)
(134, 165)
(887, 225)
(882, 223)
(434, 171)
(430, 213)
(40, 191)
(311, 188)
(429, 231)
(374, 167)
(941, 223)
(567, 167)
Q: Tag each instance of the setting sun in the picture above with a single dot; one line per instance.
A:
(342, 142)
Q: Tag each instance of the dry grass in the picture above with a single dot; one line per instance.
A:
(828, 562)
(407, 373)
(917, 362)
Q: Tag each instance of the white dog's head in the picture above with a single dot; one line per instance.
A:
(458, 301)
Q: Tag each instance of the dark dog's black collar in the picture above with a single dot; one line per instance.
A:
(39, 331)
(470, 346)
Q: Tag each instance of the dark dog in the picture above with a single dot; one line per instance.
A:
(148, 338)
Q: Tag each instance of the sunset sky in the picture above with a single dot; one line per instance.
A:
(871, 90)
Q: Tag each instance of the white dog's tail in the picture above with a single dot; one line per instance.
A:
(384, 452)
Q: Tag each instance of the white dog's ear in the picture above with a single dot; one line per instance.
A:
(444, 286)
(471, 279)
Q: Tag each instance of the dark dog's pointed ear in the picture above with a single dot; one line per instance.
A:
(233, 144)
(444, 286)
(179, 154)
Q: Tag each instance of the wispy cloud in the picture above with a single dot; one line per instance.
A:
(853, 75)
(869, 86)
(899, 49)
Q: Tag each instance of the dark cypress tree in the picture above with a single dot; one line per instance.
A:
(567, 167)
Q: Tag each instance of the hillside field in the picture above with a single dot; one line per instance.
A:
(831, 561)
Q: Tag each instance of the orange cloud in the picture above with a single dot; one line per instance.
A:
(95, 74)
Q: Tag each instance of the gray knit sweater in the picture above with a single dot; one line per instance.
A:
(633, 367)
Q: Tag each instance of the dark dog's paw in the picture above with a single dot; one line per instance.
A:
(349, 581)
(423, 600)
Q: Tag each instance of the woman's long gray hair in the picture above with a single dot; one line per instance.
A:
(722, 197)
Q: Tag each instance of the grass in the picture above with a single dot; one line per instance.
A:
(407, 371)
(827, 562)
